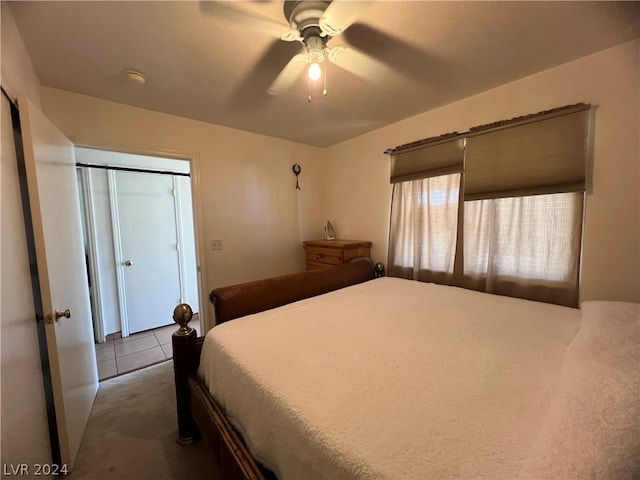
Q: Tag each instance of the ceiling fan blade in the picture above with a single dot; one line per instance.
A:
(251, 90)
(289, 74)
(340, 14)
(232, 12)
(359, 64)
(400, 57)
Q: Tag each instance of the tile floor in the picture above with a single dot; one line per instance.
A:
(122, 355)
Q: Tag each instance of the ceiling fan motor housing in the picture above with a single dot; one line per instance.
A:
(304, 14)
(315, 45)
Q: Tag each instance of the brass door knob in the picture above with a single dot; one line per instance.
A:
(65, 314)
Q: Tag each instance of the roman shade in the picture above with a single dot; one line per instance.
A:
(541, 153)
(544, 152)
(427, 158)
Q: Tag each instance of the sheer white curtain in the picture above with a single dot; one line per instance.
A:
(423, 228)
(524, 246)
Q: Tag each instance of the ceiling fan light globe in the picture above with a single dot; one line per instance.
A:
(315, 72)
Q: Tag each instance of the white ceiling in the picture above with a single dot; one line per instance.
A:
(202, 66)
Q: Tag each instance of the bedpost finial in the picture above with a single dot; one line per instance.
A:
(182, 315)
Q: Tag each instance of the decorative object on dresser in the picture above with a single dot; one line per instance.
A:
(329, 233)
(329, 253)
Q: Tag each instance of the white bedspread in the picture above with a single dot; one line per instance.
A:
(396, 379)
(592, 429)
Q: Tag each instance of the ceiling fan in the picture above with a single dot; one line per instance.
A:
(313, 23)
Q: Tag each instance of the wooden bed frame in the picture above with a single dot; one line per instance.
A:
(199, 416)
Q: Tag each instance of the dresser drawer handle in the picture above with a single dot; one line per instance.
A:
(320, 255)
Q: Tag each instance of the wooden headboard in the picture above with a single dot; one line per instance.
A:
(252, 297)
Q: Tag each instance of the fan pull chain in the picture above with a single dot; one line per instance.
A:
(309, 83)
(324, 71)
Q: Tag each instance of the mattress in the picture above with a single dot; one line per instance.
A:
(397, 379)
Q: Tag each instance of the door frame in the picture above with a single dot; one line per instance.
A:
(204, 316)
(117, 249)
(91, 239)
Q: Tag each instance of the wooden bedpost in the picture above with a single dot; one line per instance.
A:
(184, 362)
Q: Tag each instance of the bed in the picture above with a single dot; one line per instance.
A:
(337, 374)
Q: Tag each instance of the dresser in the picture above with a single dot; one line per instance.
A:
(329, 253)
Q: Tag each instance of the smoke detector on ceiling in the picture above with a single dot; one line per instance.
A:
(136, 77)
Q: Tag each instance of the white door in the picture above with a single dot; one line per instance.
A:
(146, 212)
(62, 273)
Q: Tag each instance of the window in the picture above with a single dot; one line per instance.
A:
(424, 218)
(517, 229)
(521, 244)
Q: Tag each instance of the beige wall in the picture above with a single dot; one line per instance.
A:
(356, 192)
(246, 178)
(245, 188)
(25, 435)
(18, 75)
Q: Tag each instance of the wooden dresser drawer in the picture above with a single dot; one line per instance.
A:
(328, 253)
(332, 256)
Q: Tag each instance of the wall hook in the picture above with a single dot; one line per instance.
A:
(297, 169)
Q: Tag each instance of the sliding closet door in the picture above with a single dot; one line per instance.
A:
(148, 243)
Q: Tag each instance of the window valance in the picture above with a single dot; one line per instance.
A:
(427, 158)
(544, 152)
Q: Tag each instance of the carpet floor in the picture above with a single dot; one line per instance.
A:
(132, 431)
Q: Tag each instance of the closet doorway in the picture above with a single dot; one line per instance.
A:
(141, 250)
(147, 224)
